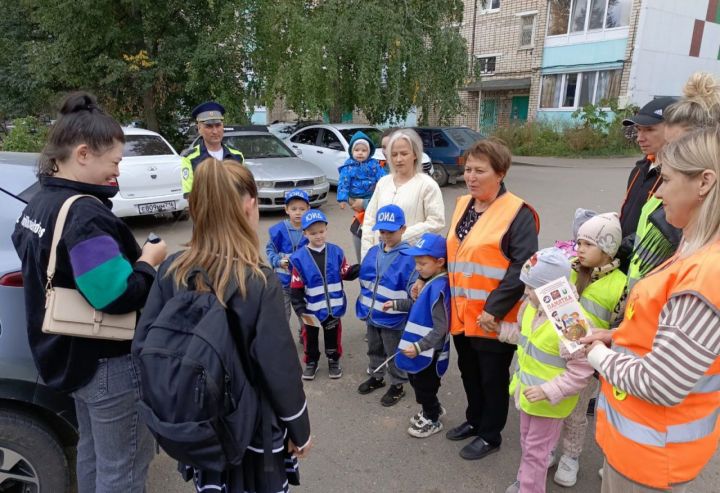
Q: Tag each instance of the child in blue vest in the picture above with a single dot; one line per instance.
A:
(385, 275)
(548, 378)
(424, 349)
(316, 291)
(286, 237)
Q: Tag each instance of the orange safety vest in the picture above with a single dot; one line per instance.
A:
(660, 446)
(477, 264)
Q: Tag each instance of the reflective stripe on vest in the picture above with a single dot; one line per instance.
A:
(539, 362)
(470, 268)
(323, 297)
(651, 248)
(420, 324)
(654, 445)
(600, 297)
(384, 277)
(282, 241)
(540, 355)
(639, 433)
(390, 294)
(477, 264)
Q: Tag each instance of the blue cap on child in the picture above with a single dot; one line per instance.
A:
(389, 218)
(429, 244)
(547, 265)
(296, 193)
(311, 217)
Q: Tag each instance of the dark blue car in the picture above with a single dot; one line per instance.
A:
(446, 147)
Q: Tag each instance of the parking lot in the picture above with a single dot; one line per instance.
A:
(361, 446)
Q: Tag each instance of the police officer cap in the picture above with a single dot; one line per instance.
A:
(208, 112)
(311, 217)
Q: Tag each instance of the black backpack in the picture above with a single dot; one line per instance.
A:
(197, 392)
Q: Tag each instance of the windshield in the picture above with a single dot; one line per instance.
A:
(145, 145)
(259, 146)
(464, 137)
(371, 132)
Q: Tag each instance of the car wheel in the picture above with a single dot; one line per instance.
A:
(31, 457)
(440, 174)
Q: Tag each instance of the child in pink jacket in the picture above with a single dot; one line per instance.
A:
(548, 378)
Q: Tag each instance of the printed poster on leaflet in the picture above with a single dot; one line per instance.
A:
(559, 303)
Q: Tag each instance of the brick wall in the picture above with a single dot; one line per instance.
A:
(497, 33)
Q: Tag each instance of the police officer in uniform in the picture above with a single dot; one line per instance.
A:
(209, 117)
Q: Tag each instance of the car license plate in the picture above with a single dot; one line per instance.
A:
(157, 207)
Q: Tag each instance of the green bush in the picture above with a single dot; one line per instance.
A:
(596, 132)
(27, 135)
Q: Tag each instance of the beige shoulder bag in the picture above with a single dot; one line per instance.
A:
(67, 312)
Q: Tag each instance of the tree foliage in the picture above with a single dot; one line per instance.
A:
(27, 135)
(154, 61)
(143, 59)
(378, 56)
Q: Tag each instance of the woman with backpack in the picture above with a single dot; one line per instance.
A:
(222, 267)
(98, 257)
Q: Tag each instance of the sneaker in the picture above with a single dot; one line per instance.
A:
(425, 428)
(417, 417)
(513, 488)
(566, 474)
(393, 395)
(311, 369)
(552, 459)
(334, 369)
(370, 385)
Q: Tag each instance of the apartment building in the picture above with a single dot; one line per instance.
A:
(505, 44)
(545, 59)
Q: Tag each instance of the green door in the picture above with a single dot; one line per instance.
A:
(519, 109)
(488, 115)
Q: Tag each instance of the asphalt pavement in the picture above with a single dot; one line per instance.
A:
(360, 445)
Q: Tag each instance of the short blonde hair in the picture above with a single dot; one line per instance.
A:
(415, 142)
(693, 153)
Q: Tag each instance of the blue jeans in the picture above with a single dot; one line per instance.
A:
(115, 447)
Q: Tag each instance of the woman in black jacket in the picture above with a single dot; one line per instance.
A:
(224, 243)
(98, 256)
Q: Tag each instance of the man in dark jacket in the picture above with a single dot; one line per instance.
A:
(645, 177)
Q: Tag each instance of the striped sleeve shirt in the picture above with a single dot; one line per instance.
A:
(685, 346)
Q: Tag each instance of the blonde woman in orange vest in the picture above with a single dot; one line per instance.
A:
(492, 234)
(658, 418)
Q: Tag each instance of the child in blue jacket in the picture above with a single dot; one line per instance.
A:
(358, 177)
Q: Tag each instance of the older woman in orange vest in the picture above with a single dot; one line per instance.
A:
(492, 234)
(658, 418)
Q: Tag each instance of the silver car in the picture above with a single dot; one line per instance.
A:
(277, 169)
(37, 424)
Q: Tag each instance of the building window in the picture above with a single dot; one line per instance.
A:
(578, 16)
(575, 90)
(485, 65)
(490, 4)
(527, 30)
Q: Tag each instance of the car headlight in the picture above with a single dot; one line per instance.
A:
(320, 180)
(265, 184)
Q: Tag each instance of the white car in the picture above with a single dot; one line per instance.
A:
(149, 178)
(326, 146)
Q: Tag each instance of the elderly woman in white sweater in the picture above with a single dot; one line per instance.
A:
(408, 187)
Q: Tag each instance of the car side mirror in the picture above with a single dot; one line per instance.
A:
(297, 151)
